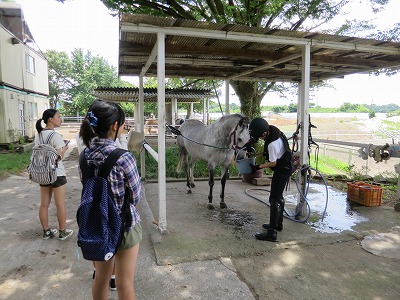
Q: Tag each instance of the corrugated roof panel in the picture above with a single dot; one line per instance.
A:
(184, 40)
(194, 57)
(124, 94)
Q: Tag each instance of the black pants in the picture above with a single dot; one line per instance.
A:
(277, 203)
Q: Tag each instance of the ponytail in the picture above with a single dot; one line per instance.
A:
(100, 116)
(39, 127)
(47, 114)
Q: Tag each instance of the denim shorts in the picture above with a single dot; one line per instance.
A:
(61, 180)
(131, 238)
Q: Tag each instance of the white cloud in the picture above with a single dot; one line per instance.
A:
(75, 24)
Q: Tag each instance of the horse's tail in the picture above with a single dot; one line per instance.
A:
(181, 158)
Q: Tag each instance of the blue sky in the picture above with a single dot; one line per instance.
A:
(87, 24)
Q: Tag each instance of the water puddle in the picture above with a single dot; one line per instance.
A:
(337, 214)
(338, 217)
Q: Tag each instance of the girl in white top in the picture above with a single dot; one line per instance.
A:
(52, 119)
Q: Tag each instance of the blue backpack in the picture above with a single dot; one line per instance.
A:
(101, 227)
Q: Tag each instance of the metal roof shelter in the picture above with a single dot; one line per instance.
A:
(205, 50)
(126, 94)
(172, 98)
(168, 47)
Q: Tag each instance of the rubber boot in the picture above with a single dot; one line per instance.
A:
(279, 227)
(280, 215)
(269, 235)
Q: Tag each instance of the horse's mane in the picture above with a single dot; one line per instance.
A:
(226, 118)
(224, 125)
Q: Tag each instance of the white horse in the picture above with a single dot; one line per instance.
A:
(215, 144)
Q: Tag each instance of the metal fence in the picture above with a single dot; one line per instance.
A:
(350, 155)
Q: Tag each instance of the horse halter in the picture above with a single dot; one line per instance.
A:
(233, 136)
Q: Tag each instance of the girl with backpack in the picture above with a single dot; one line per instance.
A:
(101, 127)
(52, 119)
(121, 142)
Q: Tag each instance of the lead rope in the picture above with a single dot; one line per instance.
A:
(177, 132)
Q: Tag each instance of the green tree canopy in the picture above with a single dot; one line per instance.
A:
(349, 107)
(59, 74)
(283, 14)
(73, 78)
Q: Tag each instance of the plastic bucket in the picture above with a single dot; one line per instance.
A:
(243, 165)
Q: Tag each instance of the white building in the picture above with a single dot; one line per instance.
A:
(24, 87)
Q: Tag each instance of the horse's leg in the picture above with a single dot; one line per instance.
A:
(211, 184)
(192, 162)
(187, 172)
(222, 195)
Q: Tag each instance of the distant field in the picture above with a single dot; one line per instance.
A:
(370, 131)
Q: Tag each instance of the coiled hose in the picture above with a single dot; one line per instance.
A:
(297, 216)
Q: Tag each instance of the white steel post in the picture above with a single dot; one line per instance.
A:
(140, 124)
(227, 108)
(162, 186)
(208, 111)
(303, 110)
(205, 111)
(175, 114)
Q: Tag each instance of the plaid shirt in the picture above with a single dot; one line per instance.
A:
(123, 174)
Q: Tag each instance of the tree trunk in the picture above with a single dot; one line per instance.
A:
(188, 112)
(249, 97)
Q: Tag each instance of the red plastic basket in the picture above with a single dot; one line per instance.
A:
(364, 193)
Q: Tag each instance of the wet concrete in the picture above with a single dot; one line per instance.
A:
(328, 210)
(245, 215)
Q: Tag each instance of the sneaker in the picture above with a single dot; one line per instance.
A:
(64, 234)
(113, 287)
(49, 233)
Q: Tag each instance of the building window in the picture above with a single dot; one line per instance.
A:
(21, 114)
(30, 64)
(32, 111)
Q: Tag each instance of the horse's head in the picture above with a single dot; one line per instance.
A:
(179, 121)
(241, 135)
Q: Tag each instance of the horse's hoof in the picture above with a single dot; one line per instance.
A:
(192, 185)
(189, 191)
(223, 205)
(210, 206)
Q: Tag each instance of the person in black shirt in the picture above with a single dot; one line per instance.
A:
(279, 159)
